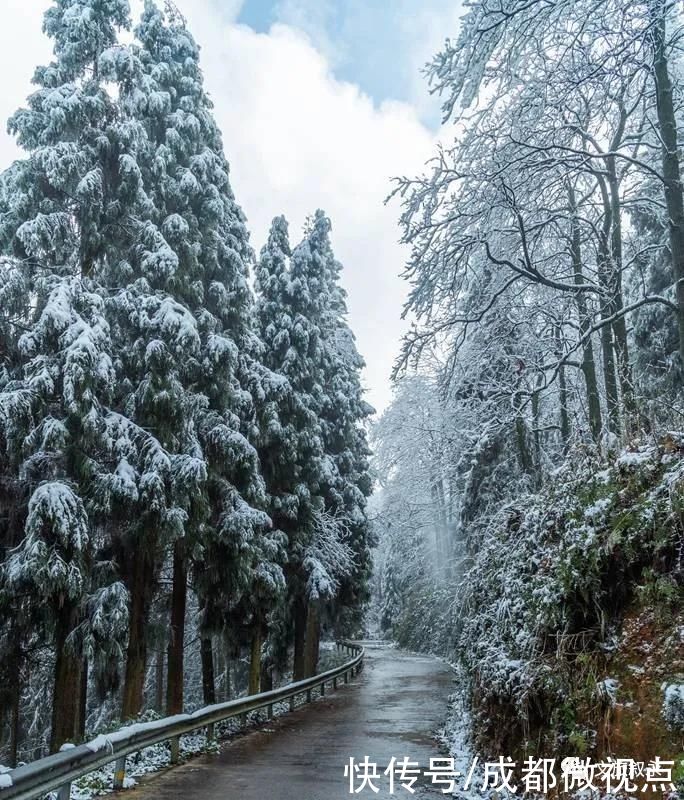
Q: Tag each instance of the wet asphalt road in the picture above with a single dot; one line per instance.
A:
(391, 709)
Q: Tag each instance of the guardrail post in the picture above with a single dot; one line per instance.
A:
(323, 689)
(175, 749)
(269, 711)
(292, 702)
(64, 792)
(211, 733)
(346, 676)
(243, 720)
(308, 695)
(334, 684)
(119, 773)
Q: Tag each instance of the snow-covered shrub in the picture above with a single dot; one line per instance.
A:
(673, 706)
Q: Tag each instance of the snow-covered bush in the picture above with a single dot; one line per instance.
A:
(673, 705)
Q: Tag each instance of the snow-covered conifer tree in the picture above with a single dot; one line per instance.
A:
(344, 414)
(345, 482)
(313, 449)
(57, 205)
(194, 212)
(291, 446)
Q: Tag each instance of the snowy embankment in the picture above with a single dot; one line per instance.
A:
(456, 739)
(570, 623)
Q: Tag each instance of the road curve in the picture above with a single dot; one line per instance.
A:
(391, 709)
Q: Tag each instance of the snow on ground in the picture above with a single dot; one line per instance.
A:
(455, 738)
(5, 779)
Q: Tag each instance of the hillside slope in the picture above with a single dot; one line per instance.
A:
(571, 620)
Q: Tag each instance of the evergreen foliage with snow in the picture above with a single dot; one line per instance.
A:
(57, 204)
(163, 458)
(313, 446)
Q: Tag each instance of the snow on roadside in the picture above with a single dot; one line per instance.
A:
(455, 738)
(5, 779)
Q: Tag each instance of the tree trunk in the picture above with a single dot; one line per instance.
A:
(159, 679)
(231, 681)
(228, 652)
(667, 126)
(588, 360)
(266, 676)
(255, 659)
(536, 409)
(299, 612)
(136, 654)
(606, 276)
(15, 722)
(174, 678)
(620, 324)
(609, 377)
(562, 396)
(208, 680)
(524, 456)
(222, 668)
(312, 639)
(83, 700)
(67, 682)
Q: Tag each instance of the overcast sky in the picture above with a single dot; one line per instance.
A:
(320, 103)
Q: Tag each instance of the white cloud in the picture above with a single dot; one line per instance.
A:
(297, 140)
(22, 47)
(384, 46)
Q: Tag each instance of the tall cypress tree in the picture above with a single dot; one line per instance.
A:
(313, 449)
(338, 554)
(344, 415)
(57, 205)
(194, 211)
(291, 447)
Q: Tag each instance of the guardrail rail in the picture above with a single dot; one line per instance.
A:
(58, 771)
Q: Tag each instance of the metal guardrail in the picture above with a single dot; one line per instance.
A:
(56, 772)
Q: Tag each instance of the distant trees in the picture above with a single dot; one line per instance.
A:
(166, 442)
(416, 511)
